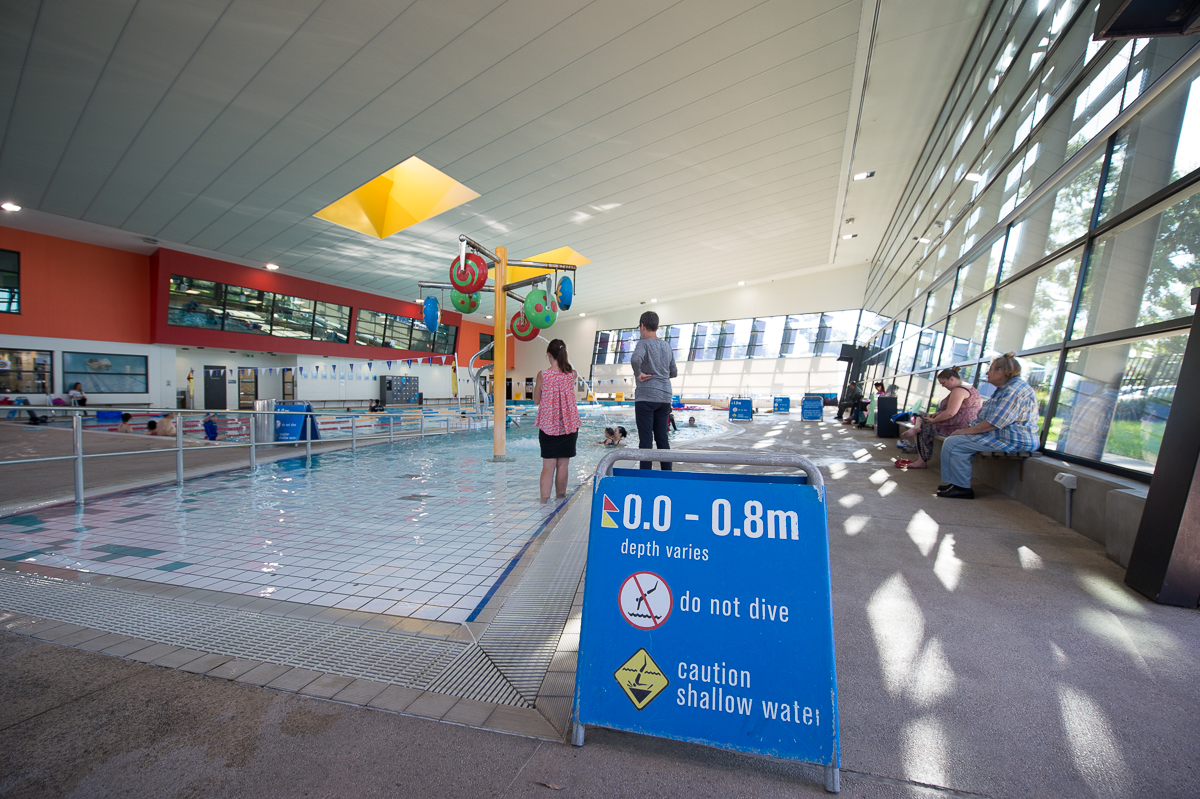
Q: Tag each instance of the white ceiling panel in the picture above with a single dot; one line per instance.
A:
(682, 144)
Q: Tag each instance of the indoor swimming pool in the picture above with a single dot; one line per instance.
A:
(419, 528)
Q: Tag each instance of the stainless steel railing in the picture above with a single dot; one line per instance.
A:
(417, 418)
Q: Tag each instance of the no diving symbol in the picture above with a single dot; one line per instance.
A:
(645, 600)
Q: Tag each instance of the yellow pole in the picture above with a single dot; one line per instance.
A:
(499, 355)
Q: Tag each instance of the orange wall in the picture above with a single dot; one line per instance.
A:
(468, 343)
(75, 290)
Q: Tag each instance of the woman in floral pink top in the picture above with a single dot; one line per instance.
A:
(557, 418)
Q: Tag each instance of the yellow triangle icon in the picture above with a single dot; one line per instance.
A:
(606, 520)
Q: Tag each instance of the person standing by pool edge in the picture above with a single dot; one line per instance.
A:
(557, 419)
(654, 365)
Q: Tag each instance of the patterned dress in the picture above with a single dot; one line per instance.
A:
(967, 413)
(557, 413)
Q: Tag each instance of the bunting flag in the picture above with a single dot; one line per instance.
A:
(333, 368)
(370, 366)
(351, 368)
(389, 363)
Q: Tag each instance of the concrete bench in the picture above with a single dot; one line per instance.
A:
(1020, 457)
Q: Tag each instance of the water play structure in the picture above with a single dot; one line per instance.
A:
(469, 273)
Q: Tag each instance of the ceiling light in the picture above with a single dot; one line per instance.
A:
(864, 175)
(923, 240)
(10, 206)
(974, 177)
(653, 299)
(583, 314)
(487, 317)
(150, 240)
(850, 236)
(272, 267)
(1009, 305)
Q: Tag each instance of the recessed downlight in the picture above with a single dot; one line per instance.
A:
(864, 175)
(583, 314)
(10, 206)
(654, 299)
(850, 236)
(272, 267)
(974, 177)
(741, 282)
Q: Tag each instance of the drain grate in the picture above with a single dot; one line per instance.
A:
(474, 676)
(391, 657)
(522, 639)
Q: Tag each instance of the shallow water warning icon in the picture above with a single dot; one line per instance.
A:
(609, 507)
(641, 679)
(645, 600)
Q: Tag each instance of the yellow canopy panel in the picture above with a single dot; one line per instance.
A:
(406, 194)
(563, 255)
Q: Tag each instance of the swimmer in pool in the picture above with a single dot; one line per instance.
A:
(610, 437)
(691, 421)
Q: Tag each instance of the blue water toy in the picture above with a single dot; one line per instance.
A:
(433, 314)
(565, 293)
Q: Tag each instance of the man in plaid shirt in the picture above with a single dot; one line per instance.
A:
(1008, 422)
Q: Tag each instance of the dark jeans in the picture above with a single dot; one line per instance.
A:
(652, 420)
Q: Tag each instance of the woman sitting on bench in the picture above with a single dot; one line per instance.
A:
(957, 410)
(1008, 422)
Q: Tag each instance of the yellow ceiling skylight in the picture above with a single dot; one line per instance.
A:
(406, 194)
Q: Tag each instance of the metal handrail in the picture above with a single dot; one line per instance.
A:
(78, 456)
(604, 468)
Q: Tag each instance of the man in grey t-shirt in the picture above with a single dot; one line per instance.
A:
(654, 365)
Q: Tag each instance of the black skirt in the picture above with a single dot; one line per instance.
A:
(554, 447)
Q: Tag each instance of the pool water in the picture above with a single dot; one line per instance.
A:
(421, 528)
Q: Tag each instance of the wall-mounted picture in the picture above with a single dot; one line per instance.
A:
(103, 373)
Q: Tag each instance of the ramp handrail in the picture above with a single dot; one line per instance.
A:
(604, 468)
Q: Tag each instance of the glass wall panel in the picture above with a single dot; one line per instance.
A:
(600, 352)
(1033, 311)
(938, 304)
(400, 329)
(1155, 150)
(799, 335)
(1115, 401)
(331, 322)
(1145, 273)
(195, 303)
(26, 371)
(248, 310)
(979, 275)
(918, 394)
(626, 344)
(293, 318)
(735, 339)
(768, 337)
(965, 331)
(1060, 219)
(10, 281)
(681, 340)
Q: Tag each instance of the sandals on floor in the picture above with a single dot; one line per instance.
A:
(902, 463)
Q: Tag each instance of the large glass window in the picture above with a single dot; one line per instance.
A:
(1115, 401)
(964, 334)
(331, 322)
(26, 371)
(704, 342)
(104, 373)
(235, 309)
(196, 303)
(292, 317)
(248, 310)
(1033, 311)
(1144, 273)
(10, 282)
(735, 339)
